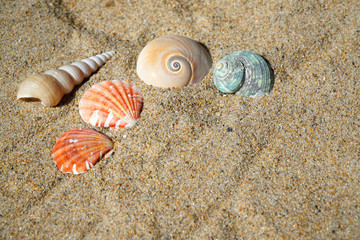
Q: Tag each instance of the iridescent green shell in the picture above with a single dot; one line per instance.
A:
(243, 73)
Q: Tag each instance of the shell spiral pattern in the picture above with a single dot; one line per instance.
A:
(51, 86)
(173, 61)
(115, 104)
(243, 73)
(79, 149)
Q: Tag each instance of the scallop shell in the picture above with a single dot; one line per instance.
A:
(115, 104)
(173, 61)
(51, 86)
(243, 73)
(79, 149)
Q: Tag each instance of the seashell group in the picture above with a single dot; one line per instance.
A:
(51, 86)
(115, 104)
(243, 73)
(173, 61)
(79, 149)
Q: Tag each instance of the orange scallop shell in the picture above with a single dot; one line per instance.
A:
(115, 104)
(79, 149)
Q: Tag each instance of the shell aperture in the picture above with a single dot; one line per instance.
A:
(243, 73)
(173, 61)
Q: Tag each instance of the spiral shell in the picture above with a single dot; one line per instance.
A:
(173, 61)
(243, 73)
(79, 149)
(50, 87)
(115, 104)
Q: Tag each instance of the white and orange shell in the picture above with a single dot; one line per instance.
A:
(173, 61)
(79, 149)
(50, 87)
(115, 104)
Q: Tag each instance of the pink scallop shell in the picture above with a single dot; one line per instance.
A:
(79, 149)
(115, 104)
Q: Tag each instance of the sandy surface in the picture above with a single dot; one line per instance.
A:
(198, 164)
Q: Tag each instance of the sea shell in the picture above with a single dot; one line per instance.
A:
(51, 86)
(173, 61)
(243, 73)
(79, 149)
(115, 104)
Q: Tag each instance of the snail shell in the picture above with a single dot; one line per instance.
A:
(50, 87)
(173, 61)
(243, 73)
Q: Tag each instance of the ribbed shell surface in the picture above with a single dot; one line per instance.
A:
(115, 104)
(79, 149)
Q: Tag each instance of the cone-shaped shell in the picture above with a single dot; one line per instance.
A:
(243, 73)
(51, 86)
(173, 61)
(115, 104)
(79, 149)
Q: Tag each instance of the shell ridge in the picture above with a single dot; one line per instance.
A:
(102, 110)
(129, 91)
(121, 98)
(75, 72)
(91, 63)
(58, 148)
(63, 79)
(103, 92)
(137, 101)
(124, 96)
(116, 95)
(87, 154)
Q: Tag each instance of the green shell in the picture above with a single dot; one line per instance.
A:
(243, 73)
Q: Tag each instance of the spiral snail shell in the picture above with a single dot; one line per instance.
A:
(50, 87)
(173, 61)
(243, 73)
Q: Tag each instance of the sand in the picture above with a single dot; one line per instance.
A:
(198, 164)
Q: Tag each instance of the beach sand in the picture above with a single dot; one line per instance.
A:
(198, 164)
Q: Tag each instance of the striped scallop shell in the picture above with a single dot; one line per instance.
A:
(243, 73)
(79, 149)
(115, 104)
